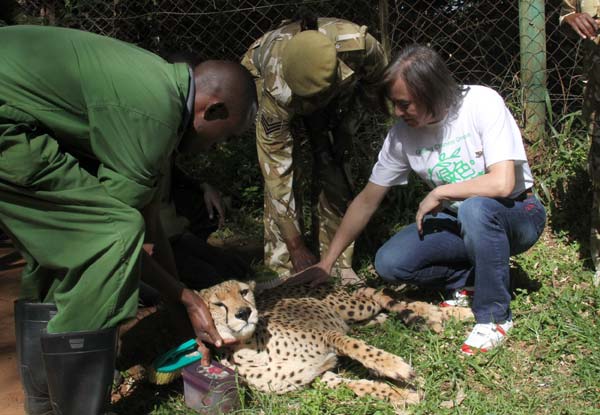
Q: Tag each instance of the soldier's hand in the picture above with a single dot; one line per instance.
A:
(583, 24)
(300, 255)
(315, 275)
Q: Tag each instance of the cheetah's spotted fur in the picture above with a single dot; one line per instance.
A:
(293, 334)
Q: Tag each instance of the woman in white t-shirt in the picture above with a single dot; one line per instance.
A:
(465, 144)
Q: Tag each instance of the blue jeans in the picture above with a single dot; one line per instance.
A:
(472, 247)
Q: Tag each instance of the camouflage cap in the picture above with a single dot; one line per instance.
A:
(309, 63)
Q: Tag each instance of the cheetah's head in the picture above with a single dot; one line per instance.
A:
(231, 304)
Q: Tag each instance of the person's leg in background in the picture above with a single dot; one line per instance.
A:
(591, 113)
(331, 144)
(594, 172)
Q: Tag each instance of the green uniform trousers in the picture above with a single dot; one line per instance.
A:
(83, 245)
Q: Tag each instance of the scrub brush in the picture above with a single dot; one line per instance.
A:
(167, 367)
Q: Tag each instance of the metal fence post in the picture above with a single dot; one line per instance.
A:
(533, 65)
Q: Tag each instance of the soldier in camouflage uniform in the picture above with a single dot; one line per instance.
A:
(319, 71)
(582, 17)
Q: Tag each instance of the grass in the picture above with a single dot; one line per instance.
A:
(550, 363)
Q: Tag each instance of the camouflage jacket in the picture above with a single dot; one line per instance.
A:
(360, 59)
(592, 7)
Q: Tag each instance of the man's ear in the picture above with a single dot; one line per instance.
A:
(216, 111)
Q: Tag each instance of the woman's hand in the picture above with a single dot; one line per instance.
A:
(202, 323)
(431, 204)
(315, 275)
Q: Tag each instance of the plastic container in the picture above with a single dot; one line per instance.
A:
(210, 390)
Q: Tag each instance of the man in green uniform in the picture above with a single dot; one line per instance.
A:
(316, 69)
(582, 18)
(86, 122)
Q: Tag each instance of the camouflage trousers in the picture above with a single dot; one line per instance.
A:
(277, 257)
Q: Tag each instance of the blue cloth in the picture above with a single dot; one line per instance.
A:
(472, 247)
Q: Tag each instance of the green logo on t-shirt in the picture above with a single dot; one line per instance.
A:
(452, 169)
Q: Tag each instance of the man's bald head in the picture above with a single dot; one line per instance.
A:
(226, 79)
(225, 103)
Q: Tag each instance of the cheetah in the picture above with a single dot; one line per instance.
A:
(292, 334)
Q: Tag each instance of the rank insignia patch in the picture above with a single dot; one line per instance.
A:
(270, 127)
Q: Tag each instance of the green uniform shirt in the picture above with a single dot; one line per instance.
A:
(98, 97)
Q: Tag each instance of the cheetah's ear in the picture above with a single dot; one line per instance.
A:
(251, 284)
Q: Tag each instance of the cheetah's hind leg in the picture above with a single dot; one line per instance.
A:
(399, 397)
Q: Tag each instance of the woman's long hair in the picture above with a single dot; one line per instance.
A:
(427, 78)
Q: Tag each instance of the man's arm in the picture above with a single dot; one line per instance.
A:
(275, 147)
(373, 67)
(160, 272)
(175, 293)
(375, 61)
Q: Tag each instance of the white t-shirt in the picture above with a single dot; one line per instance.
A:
(460, 147)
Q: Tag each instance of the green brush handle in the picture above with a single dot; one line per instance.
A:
(178, 357)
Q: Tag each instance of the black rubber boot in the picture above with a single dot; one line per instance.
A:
(79, 367)
(31, 320)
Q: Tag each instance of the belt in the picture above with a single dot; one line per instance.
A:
(526, 193)
(519, 198)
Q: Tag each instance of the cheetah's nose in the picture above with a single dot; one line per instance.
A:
(243, 313)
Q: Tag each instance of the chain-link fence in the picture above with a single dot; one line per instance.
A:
(479, 39)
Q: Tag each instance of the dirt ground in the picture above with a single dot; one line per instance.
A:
(11, 394)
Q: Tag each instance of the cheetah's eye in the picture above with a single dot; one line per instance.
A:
(219, 304)
(244, 292)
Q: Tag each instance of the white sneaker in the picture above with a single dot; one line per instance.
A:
(485, 336)
(460, 298)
